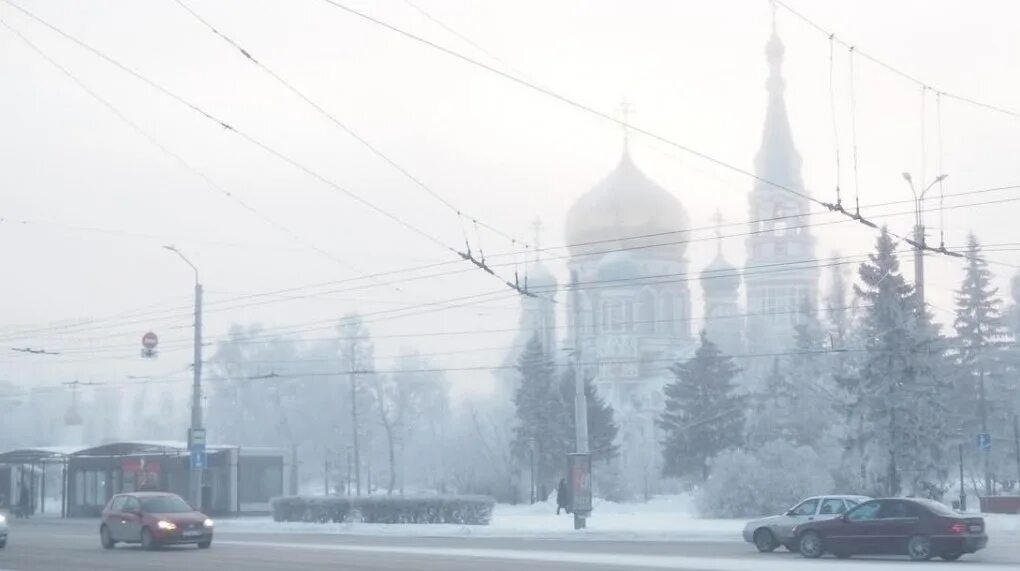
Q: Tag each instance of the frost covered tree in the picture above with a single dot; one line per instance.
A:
(900, 389)
(703, 414)
(540, 438)
(983, 398)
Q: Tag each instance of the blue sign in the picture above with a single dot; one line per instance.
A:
(984, 441)
(199, 460)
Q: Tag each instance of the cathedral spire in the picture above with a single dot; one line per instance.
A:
(777, 160)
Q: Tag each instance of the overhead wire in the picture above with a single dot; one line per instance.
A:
(179, 159)
(895, 70)
(608, 117)
(340, 124)
(260, 144)
(218, 306)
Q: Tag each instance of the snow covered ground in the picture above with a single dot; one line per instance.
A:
(663, 518)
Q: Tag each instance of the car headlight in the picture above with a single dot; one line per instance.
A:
(167, 525)
(3, 518)
(208, 522)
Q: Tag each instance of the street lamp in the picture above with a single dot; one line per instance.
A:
(196, 434)
(919, 244)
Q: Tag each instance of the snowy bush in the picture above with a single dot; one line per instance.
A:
(463, 510)
(767, 480)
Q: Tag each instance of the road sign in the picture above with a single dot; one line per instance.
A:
(150, 340)
(198, 457)
(984, 441)
(196, 436)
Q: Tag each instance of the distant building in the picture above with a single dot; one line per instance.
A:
(628, 303)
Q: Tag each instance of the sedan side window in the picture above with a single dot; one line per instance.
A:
(832, 506)
(864, 512)
(808, 507)
(894, 510)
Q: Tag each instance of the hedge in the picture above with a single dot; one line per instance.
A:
(463, 510)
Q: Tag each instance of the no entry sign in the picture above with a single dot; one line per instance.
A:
(149, 340)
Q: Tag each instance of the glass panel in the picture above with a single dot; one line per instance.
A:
(864, 512)
(806, 508)
(832, 507)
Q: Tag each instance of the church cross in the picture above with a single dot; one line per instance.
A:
(718, 220)
(626, 110)
(536, 227)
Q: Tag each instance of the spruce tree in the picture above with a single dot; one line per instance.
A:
(982, 396)
(899, 391)
(703, 416)
(540, 436)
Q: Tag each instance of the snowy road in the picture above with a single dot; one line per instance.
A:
(60, 545)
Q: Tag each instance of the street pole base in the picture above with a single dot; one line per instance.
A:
(579, 521)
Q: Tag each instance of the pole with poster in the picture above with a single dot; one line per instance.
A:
(579, 469)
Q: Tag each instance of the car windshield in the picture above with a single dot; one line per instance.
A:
(165, 505)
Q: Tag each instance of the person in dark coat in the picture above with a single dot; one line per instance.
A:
(25, 502)
(562, 497)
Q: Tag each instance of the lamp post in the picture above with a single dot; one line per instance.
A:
(919, 233)
(196, 433)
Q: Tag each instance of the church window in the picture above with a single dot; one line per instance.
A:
(646, 312)
(780, 228)
(668, 318)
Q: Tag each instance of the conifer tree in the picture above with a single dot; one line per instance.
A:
(540, 436)
(899, 392)
(703, 416)
(982, 398)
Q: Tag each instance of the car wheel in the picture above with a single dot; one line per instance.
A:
(765, 541)
(105, 538)
(951, 556)
(3, 543)
(811, 545)
(205, 544)
(147, 543)
(919, 548)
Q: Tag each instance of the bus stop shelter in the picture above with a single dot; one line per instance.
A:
(29, 468)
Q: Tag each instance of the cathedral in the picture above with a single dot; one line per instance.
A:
(628, 305)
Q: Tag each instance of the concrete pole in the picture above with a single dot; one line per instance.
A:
(919, 260)
(580, 399)
(196, 475)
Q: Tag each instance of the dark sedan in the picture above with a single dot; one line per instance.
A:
(919, 528)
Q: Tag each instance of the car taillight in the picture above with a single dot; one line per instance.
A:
(958, 528)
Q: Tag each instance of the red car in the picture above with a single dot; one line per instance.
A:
(153, 519)
(919, 528)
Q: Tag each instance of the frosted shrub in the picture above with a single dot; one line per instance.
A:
(767, 480)
(463, 510)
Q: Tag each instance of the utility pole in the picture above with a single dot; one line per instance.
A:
(351, 347)
(983, 411)
(580, 406)
(1016, 445)
(963, 492)
(196, 435)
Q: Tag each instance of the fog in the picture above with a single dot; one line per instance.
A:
(87, 202)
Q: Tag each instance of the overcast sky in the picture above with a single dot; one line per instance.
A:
(100, 199)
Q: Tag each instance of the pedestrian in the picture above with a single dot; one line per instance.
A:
(25, 502)
(562, 497)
